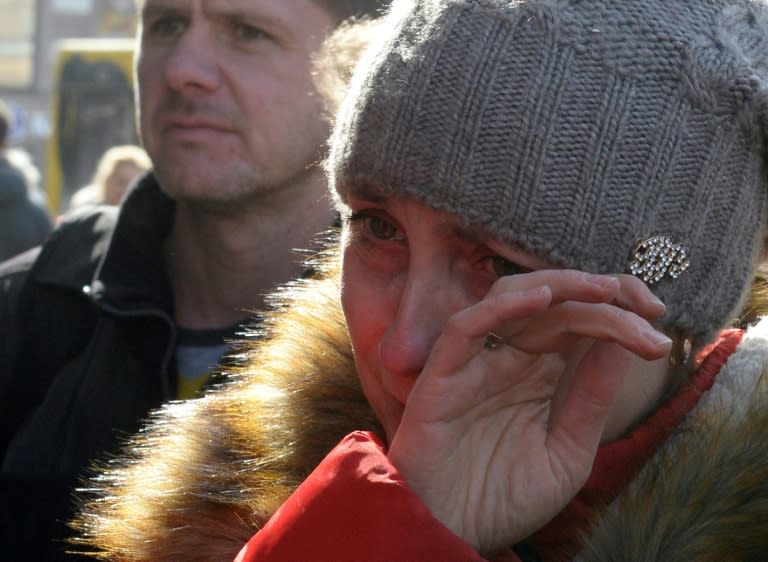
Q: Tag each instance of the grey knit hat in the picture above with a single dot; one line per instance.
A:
(575, 129)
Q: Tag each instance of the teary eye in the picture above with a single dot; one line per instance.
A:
(377, 226)
(503, 267)
(381, 228)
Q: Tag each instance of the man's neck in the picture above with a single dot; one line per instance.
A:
(221, 263)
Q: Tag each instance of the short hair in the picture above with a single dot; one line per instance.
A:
(6, 119)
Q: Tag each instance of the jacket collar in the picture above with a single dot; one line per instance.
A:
(114, 255)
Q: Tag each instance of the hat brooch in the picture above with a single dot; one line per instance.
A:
(654, 258)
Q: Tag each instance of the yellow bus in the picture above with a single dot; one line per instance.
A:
(92, 109)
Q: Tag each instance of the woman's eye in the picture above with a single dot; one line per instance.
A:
(503, 267)
(381, 228)
(377, 226)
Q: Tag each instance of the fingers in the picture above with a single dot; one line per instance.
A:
(625, 291)
(551, 311)
(565, 284)
(611, 308)
(635, 295)
(558, 327)
(465, 332)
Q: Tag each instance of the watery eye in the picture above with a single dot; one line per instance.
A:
(381, 228)
(503, 267)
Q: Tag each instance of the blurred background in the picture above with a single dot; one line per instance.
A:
(65, 73)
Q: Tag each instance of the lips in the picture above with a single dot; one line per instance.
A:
(195, 124)
(195, 131)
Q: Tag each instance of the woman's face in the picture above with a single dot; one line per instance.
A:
(406, 269)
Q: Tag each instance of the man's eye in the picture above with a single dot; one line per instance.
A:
(503, 267)
(166, 27)
(247, 32)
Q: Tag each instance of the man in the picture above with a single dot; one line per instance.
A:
(24, 221)
(121, 311)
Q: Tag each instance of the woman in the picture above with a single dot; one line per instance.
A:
(115, 171)
(551, 211)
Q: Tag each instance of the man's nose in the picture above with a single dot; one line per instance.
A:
(193, 62)
(425, 306)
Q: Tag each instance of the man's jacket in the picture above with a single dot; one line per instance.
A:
(86, 350)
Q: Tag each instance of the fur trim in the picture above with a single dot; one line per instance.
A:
(207, 473)
(704, 495)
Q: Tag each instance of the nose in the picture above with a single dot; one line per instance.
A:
(192, 62)
(426, 303)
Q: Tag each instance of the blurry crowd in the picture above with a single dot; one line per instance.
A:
(25, 217)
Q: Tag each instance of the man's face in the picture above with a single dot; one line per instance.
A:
(227, 106)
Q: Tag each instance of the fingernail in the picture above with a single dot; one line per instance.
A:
(657, 338)
(655, 307)
(603, 281)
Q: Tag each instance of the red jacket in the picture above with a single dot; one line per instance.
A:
(356, 506)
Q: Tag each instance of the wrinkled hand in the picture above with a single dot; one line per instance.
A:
(497, 441)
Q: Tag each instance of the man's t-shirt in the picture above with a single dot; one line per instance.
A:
(198, 352)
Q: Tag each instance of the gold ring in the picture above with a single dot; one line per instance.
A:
(493, 341)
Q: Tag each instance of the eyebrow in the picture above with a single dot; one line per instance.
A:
(257, 14)
(467, 234)
(238, 13)
(464, 233)
(162, 8)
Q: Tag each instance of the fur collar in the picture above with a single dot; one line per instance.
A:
(205, 474)
(704, 495)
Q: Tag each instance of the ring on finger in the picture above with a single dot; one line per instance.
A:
(493, 341)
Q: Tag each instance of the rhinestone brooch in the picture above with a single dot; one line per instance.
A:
(655, 257)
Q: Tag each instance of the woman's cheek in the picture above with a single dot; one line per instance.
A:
(369, 301)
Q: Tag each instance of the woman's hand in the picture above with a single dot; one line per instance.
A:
(497, 440)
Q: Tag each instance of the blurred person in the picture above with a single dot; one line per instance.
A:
(127, 307)
(117, 168)
(24, 218)
(521, 348)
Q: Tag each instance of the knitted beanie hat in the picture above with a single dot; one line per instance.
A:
(576, 129)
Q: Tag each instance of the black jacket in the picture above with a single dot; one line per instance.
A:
(24, 222)
(86, 350)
